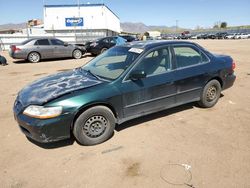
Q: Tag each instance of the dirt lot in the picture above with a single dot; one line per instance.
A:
(214, 142)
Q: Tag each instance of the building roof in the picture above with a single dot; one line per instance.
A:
(80, 5)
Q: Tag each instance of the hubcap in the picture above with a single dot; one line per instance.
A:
(34, 57)
(95, 126)
(77, 54)
(211, 93)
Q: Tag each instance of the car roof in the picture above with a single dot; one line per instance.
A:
(40, 38)
(154, 43)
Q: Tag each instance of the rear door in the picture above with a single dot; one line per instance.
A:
(192, 68)
(44, 48)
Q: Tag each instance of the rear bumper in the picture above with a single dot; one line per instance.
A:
(229, 81)
(20, 55)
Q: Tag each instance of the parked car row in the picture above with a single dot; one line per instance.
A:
(220, 35)
(37, 49)
(238, 36)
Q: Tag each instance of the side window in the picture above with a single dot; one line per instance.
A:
(204, 58)
(105, 41)
(156, 62)
(113, 40)
(42, 42)
(57, 42)
(187, 56)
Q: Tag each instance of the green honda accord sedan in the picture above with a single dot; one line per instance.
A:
(123, 83)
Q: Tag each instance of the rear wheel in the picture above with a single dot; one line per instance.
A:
(210, 94)
(94, 126)
(34, 57)
(77, 54)
(103, 50)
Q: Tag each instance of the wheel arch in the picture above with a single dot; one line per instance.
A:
(35, 52)
(218, 79)
(86, 107)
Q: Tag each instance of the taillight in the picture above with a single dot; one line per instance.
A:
(14, 48)
(233, 65)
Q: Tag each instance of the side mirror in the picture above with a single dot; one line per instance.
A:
(137, 75)
(66, 44)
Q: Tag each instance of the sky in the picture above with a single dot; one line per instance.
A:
(189, 13)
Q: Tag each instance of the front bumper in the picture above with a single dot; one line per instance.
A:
(44, 131)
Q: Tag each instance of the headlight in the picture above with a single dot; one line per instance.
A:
(42, 112)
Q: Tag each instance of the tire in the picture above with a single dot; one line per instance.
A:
(210, 94)
(34, 57)
(94, 126)
(77, 54)
(103, 50)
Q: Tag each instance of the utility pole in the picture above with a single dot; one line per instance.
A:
(176, 25)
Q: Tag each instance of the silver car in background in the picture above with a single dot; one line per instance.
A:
(45, 48)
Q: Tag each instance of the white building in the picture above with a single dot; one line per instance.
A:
(153, 34)
(85, 20)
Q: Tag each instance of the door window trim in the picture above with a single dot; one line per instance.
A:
(126, 77)
(194, 48)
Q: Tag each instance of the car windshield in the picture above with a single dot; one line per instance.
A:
(112, 63)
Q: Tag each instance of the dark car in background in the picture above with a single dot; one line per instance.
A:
(203, 36)
(221, 35)
(101, 45)
(36, 49)
(129, 38)
(211, 36)
(125, 82)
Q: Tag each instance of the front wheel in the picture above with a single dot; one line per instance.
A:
(77, 54)
(94, 126)
(210, 94)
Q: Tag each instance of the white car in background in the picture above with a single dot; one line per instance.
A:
(237, 36)
(244, 36)
(230, 36)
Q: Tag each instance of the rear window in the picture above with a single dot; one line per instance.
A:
(186, 56)
(26, 41)
(42, 42)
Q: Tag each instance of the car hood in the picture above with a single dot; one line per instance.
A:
(54, 86)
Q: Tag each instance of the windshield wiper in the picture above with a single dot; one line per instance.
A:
(92, 74)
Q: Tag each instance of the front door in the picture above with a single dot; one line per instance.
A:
(154, 92)
(60, 49)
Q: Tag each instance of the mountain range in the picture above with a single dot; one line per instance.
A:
(13, 26)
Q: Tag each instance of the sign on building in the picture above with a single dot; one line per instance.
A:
(74, 22)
